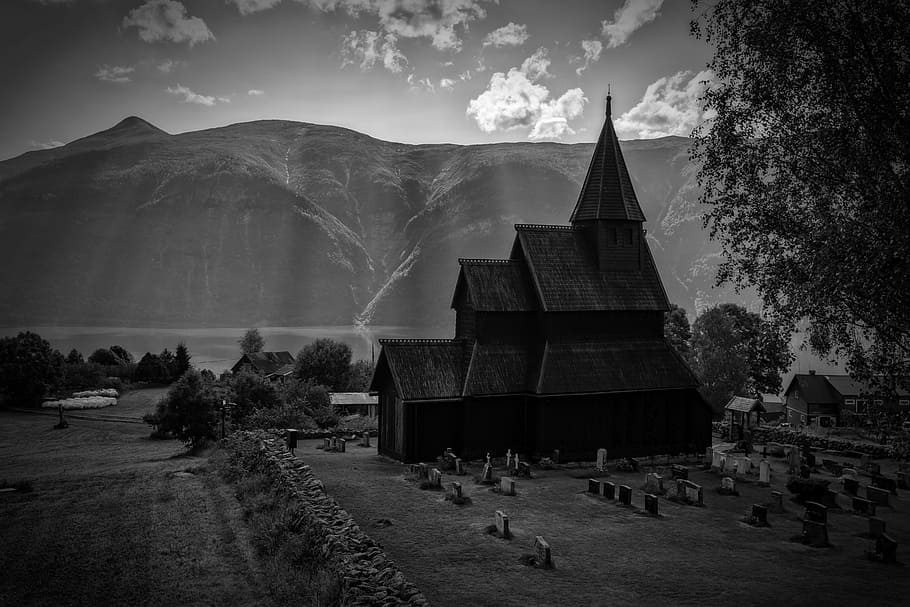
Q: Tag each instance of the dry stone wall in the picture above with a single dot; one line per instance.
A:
(368, 576)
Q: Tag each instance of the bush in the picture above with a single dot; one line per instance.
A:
(283, 416)
(189, 411)
(807, 489)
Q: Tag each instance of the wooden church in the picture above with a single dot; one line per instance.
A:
(560, 346)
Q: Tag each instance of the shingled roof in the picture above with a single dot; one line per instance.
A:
(744, 404)
(502, 369)
(267, 363)
(424, 369)
(607, 192)
(496, 285)
(815, 389)
(567, 278)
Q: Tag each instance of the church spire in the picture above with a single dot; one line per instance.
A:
(607, 191)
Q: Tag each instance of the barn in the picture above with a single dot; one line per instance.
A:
(560, 346)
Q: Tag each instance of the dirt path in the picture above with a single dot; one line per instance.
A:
(116, 519)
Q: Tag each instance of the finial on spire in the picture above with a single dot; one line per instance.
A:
(609, 111)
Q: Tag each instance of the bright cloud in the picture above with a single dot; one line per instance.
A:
(365, 48)
(507, 35)
(247, 7)
(447, 84)
(628, 18)
(168, 65)
(255, 93)
(670, 106)
(167, 20)
(192, 97)
(592, 49)
(516, 100)
(114, 73)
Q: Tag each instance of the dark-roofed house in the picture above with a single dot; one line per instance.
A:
(275, 366)
(828, 400)
(560, 346)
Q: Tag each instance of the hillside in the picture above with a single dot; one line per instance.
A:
(286, 223)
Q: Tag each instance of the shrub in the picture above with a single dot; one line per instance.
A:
(283, 416)
(189, 411)
(807, 489)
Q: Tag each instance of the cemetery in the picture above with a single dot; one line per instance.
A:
(552, 530)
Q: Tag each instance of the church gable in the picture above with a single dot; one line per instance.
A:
(495, 285)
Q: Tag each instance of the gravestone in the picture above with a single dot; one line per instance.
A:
(878, 496)
(876, 526)
(625, 495)
(727, 485)
(459, 466)
(861, 506)
(506, 486)
(516, 465)
(709, 456)
(873, 468)
(886, 548)
(744, 465)
(424, 471)
(341, 445)
(850, 473)
(815, 533)
(594, 486)
(654, 483)
(694, 493)
(326, 444)
(435, 477)
(455, 490)
(764, 473)
(487, 474)
(681, 488)
(679, 472)
(651, 504)
(729, 464)
(717, 460)
(524, 469)
(759, 514)
(555, 456)
(883, 482)
(776, 449)
(502, 524)
(851, 485)
(601, 464)
(334, 443)
(365, 440)
(609, 490)
(816, 512)
(542, 552)
(414, 469)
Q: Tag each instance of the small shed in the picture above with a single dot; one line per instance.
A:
(741, 410)
(350, 403)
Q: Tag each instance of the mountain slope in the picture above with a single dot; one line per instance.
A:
(287, 223)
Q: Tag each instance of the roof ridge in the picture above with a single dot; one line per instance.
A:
(488, 261)
(544, 226)
(414, 340)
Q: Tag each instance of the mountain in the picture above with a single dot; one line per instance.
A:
(286, 223)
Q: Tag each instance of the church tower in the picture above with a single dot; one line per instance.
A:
(607, 208)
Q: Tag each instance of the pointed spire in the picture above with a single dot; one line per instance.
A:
(609, 110)
(607, 190)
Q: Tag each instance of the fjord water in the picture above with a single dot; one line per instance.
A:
(217, 348)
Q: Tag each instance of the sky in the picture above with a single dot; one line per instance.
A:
(413, 71)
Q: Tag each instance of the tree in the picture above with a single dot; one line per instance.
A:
(360, 376)
(181, 360)
(189, 411)
(251, 342)
(125, 357)
(106, 357)
(151, 368)
(249, 391)
(29, 368)
(326, 362)
(677, 331)
(806, 169)
(167, 359)
(736, 352)
(74, 357)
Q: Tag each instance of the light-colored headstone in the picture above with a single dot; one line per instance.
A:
(459, 467)
(502, 523)
(694, 493)
(764, 473)
(487, 475)
(850, 473)
(717, 460)
(654, 483)
(342, 444)
(506, 486)
(601, 462)
(728, 484)
(729, 464)
(542, 550)
(435, 477)
(365, 440)
(455, 490)
(326, 444)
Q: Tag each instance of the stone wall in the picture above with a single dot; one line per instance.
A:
(790, 437)
(368, 576)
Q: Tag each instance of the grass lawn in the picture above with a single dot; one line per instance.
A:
(115, 518)
(605, 554)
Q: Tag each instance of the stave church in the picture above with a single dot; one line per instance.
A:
(559, 346)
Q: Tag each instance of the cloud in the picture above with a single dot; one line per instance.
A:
(592, 50)
(465, 75)
(191, 97)
(515, 100)
(167, 20)
(507, 35)
(447, 84)
(365, 48)
(628, 18)
(45, 145)
(670, 106)
(535, 66)
(421, 84)
(247, 7)
(114, 73)
(169, 65)
(255, 93)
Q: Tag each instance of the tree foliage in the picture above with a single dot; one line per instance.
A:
(251, 342)
(189, 411)
(325, 362)
(114, 356)
(249, 390)
(74, 357)
(677, 330)
(181, 360)
(806, 168)
(736, 352)
(360, 376)
(29, 368)
(152, 369)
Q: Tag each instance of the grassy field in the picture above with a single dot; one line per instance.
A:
(606, 554)
(115, 518)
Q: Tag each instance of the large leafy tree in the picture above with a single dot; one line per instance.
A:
(806, 168)
(251, 342)
(736, 352)
(325, 362)
(29, 368)
(677, 330)
(189, 411)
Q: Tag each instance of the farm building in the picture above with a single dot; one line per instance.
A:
(560, 346)
(276, 366)
(349, 403)
(831, 400)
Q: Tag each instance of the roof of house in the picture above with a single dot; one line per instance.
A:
(744, 404)
(771, 399)
(353, 398)
(814, 388)
(269, 363)
(607, 192)
(566, 276)
(496, 285)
